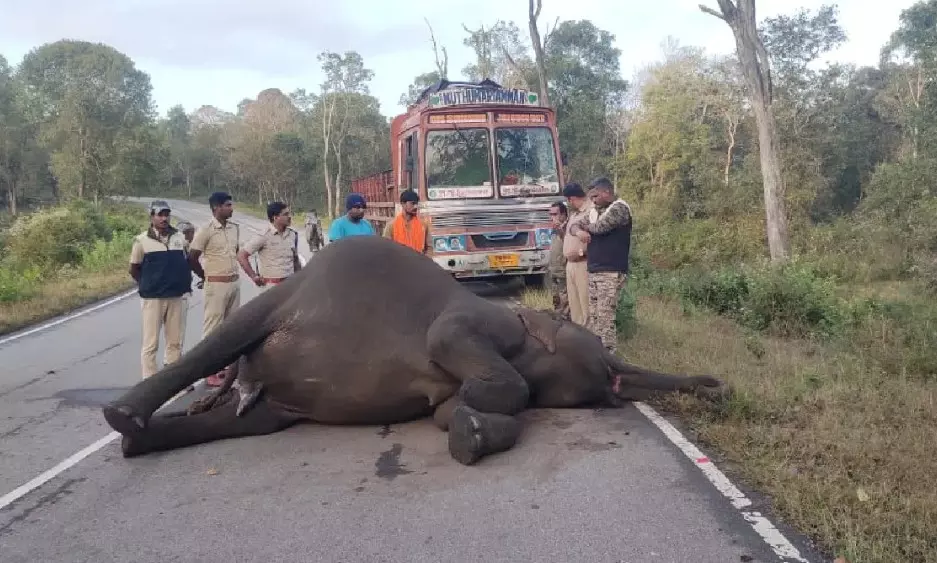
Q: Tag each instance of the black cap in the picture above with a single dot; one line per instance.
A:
(409, 195)
(573, 189)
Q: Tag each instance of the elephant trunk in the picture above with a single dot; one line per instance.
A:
(622, 372)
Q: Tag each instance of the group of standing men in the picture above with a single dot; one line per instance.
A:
(163, 259)
(589, 261)
(589, 256)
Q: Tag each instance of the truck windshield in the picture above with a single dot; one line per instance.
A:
(458, 164)
(526, 162)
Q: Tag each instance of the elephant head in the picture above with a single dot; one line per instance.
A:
(565, 363)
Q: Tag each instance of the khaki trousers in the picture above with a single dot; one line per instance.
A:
(577, 287)
(167, 315)
(221, 299)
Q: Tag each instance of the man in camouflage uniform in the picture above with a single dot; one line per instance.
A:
(607, 231)
(557, 268)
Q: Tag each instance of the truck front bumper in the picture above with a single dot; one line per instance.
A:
(488, 264)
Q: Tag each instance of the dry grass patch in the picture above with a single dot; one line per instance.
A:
(61, 296)
(843, 448)
(537, 299)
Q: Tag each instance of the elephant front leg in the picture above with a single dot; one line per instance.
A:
(481, 417)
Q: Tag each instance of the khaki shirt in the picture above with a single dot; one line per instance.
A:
(571, 243)
(219, 248)
(275, 251)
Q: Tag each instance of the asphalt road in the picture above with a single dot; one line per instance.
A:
(592, 486)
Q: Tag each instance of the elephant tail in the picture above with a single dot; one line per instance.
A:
(649, 379)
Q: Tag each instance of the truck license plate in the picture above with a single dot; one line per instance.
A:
(503, 260)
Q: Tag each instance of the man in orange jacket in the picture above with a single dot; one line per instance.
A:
(407, 228)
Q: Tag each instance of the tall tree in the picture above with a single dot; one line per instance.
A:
(586, 82)
(540, 45)
(345, 75)
(86, 97)
(756, 67)
(178, 131)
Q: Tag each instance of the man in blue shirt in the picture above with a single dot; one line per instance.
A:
(352, 223)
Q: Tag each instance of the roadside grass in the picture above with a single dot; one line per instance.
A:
(839, 432)
(55, 260)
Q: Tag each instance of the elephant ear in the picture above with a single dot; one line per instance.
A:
(542, 326)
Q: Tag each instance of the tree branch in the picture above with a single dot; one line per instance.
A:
(707, 10)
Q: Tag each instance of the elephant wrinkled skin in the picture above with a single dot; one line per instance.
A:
(370, 332)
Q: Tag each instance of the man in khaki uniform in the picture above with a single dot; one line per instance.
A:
(277, 248)
(217, 244)
(158, 265)
(577, 274)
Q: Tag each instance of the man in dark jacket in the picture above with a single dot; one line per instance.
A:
(607, 231)
(158, 264)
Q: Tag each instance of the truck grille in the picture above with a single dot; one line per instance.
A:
(489, 218)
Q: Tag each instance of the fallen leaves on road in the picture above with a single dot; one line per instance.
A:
(863, 496)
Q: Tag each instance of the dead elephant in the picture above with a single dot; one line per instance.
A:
(371, 332)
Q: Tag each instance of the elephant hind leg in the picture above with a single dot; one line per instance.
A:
(481, 415)
(172, 431)
(474, 435)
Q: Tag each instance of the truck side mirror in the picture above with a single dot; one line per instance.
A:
(564, 159)
(409, 164)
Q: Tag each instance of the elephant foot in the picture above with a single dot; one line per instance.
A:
(122, 419)
(473, 435)
(132, 446)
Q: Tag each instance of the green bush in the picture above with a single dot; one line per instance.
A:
(65, 241)
(791, 300)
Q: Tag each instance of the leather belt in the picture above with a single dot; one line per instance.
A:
(274, 280)
(222, 279)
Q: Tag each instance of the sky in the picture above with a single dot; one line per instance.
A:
(219, 52)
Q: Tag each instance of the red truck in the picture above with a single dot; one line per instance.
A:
(485, 161)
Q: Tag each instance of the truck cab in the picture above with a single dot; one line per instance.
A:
(486, 163)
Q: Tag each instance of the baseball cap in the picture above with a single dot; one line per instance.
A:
(355, 200)
(159, 205)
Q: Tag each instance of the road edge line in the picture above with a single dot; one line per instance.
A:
(776, 540)
(68, 317)
(72, 460)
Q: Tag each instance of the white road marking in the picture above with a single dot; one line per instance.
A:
(762, 526)
(69, 462)
(67, 318)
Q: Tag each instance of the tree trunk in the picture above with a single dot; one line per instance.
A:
(753, 58)
(534, 13)
(81, 164)
(775, 212)
(338, 181)
(730, 129)
(12, 197)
